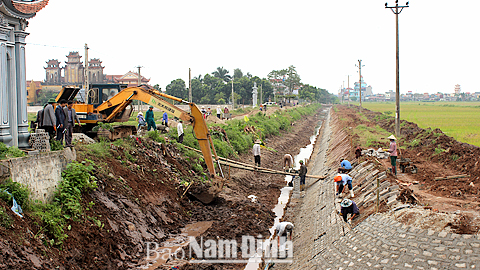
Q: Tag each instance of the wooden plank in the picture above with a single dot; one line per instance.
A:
(452, 177)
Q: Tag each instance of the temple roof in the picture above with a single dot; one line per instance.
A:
(22, 9)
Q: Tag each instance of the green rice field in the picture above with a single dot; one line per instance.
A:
(460, 120)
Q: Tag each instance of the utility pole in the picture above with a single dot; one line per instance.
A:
(397, 10)
(348, 90)
(360, 80)
(138, 85)
(233, 102)
(86, 71)
(190, 85)
(261, 94)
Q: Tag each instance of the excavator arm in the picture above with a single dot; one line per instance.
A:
(155, 98)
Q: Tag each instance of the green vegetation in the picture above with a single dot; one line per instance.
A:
(454, 157)
(369, 136)
(18, 191)
(66, 204)
(10, 152)
(439, 150)
(55, 145)
(461, 120)
(5, 220)
(241, 134)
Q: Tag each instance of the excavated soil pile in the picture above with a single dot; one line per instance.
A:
(139, 200)
(435, 155)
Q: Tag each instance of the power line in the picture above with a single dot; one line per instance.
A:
(53, 46)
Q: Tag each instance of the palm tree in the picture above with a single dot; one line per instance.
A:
(222, 74)
(199, 77)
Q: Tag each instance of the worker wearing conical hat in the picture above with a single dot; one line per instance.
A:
(393, 153)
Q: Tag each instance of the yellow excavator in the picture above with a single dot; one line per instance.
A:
(109, 103)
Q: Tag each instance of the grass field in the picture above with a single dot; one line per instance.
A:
(460, 120)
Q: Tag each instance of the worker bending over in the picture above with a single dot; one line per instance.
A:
(345, 166)
(287, 162)
(283, 230)
(343, 180)
(349, 207)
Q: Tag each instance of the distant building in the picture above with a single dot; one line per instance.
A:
(356, 93)
(74, 70)
(130, 78)
(53, 72)
(457, 89)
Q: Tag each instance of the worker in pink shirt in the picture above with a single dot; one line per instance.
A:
(393, 154)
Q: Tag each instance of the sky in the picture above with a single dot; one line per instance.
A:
(439, 40)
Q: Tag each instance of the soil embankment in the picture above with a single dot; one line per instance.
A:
(140, 199)
(453, 203)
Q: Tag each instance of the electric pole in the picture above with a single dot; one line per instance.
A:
(261, 96)
(348, 83)
(233, 102)
(190, 85)
(397, 10)
(138, 85)
(86, 71)
(360, 80)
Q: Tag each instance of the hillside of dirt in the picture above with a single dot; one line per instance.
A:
(435, 155)
(141, 197)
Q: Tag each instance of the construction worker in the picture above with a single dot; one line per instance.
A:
(343, 180)
(393, 153)
(345, 166)
(180, 131)
(287, 162)
(283, 230)
(302, 173)
(349, 207)
(358, 152)
(165, 119)
(150, 119)
(141, 120)
(256, 152)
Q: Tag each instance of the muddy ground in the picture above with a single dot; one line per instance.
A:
(453, 203)
(139, 200)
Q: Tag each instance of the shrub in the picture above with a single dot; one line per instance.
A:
(76, 178)
(56, 145)
(19, 192)
(10, 152)
(155, 135)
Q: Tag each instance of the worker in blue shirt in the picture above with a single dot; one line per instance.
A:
(345, 166)
(165, 119)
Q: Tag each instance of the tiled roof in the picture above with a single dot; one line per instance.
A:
(29, 7)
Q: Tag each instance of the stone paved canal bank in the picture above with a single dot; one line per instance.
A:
(322, 240)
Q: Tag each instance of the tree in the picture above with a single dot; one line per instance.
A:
(222, 74)
(237, 73)
(157, 87)
(177, 88)
(292, 79)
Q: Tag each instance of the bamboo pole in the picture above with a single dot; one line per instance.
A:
(452, 177)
